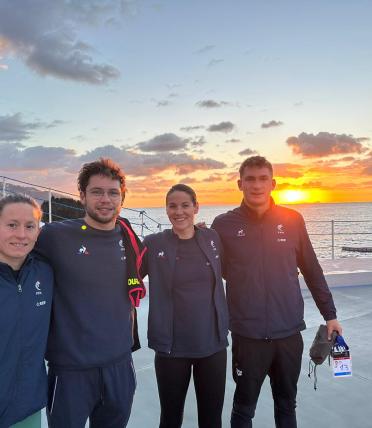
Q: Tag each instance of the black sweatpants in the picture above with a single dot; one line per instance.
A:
(253, 359)
(173, 377)
(104, 395)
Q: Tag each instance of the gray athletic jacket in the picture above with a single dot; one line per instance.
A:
(159, 263)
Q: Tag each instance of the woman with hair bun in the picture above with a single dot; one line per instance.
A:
(188, 321)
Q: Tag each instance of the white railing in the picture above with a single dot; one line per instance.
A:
(328, 237)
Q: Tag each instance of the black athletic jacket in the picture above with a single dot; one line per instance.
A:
(260, 265)
(159, 263)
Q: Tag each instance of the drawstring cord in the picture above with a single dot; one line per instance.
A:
(312, 369)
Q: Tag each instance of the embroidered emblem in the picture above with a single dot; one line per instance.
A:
(280, 229)
(83, 251)
(41, 303)
(38, 291)
(240, 233)
(161, 254)
(121, 245)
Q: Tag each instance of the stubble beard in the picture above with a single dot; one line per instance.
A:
(102, 220)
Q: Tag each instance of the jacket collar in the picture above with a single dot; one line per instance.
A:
(4, 267)
(248, 212)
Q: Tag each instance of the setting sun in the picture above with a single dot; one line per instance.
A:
(293, 196)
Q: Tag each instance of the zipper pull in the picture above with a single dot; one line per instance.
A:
(19, 288)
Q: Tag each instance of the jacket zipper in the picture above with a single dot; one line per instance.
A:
(263, 280)
(169, 350)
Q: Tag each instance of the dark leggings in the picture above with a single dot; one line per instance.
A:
(173, 377)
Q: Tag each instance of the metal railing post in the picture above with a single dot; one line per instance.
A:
(50, 205)
(142, 222)
(4, 187)
(333, 238)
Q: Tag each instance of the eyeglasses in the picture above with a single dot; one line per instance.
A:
(99, 193)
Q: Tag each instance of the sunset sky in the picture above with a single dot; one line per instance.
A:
(185, 90)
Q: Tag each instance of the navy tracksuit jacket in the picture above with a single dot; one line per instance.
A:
(260, 264)
(24, 323)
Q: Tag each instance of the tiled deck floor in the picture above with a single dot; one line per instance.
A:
(341, 403)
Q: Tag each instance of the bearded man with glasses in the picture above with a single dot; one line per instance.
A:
(95, 259)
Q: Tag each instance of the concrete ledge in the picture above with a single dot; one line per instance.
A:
(346, 272)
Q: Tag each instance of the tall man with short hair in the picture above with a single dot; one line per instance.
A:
(95, 259)
(264, 246)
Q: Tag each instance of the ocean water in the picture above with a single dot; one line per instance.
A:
(330, 226)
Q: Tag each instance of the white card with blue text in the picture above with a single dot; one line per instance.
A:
(342, 367)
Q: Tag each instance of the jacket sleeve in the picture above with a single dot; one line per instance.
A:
(214, 226)
(136, 341)
(145, 260)
(313, 274)
(221, 252)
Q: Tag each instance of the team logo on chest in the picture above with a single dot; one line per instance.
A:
(214, 248)
(38, 291)
(83, 251)
(240, 233)
(213, 245)
(280, 230)
(161, 254)
(122, 249)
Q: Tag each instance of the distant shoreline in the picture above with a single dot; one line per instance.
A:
(238, 203)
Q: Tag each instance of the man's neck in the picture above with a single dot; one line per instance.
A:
(98, 225)
(259, 210)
